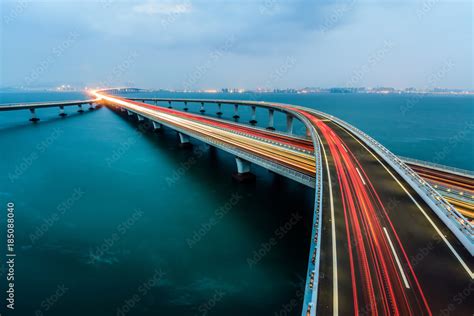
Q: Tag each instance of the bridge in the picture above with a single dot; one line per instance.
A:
(454, 184)
(32, 107)
(383, 238)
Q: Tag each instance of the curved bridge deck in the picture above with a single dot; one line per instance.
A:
(383, 239)
(375, 221)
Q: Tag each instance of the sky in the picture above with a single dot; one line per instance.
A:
(210, 44)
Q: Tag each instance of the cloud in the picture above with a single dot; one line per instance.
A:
(328, 39)
(156, 8)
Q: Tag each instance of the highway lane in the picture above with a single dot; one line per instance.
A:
(458, 190)
(425, 258)
(379, 224)
(378, 282)
(456, 182)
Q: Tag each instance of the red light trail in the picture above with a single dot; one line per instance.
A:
(377, 274)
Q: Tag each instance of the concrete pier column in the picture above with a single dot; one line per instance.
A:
(185, 106)
(270, 119)
(219, 109)
(80, 108)
(202, 109)
(156, 102)
(169, 105)
(61, 111)
(289, 124)
(129, 113)
(184, 141)
(91, 106)
(122, 109)
(253, 120)
(156, 126)
(140, 118)
(33, 118)
(243, 171)
(236, 111)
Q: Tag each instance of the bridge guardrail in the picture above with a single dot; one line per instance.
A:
(453, 192)
(311, 291)
(456, 222)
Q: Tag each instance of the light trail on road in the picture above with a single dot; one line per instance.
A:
(376, 272)
(376, 240)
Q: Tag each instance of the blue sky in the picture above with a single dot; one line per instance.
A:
(213, 44)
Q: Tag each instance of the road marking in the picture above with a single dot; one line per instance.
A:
(361, 176)
(335, 298)
(471, 274)
(397, 259)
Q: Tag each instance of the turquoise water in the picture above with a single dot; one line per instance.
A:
(111, 221)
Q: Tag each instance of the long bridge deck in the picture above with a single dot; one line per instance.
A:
(370, 222)
(383, 239)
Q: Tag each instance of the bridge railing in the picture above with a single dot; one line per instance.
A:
(312, 279)
(453, 193)
(457, 223)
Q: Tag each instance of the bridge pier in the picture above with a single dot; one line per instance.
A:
(169, 105)
(243, 171)
(156, 103)
(33, 118)
(270, 120)
(91, 107)
(184, 141)
(80, 108)
(130, 113)
(156, 126)
(289, 124)
(253, 120)
(140, 118)
(61, 111)
(219, 109)
(202, 109)
(122, 109)
(236, 111)
(185, 106)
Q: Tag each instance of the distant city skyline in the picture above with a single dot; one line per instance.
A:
(270, 44)
(234, 90)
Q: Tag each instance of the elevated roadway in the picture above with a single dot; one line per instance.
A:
(33, 106)
(382, 239)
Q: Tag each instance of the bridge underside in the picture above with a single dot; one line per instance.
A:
(306, 179)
